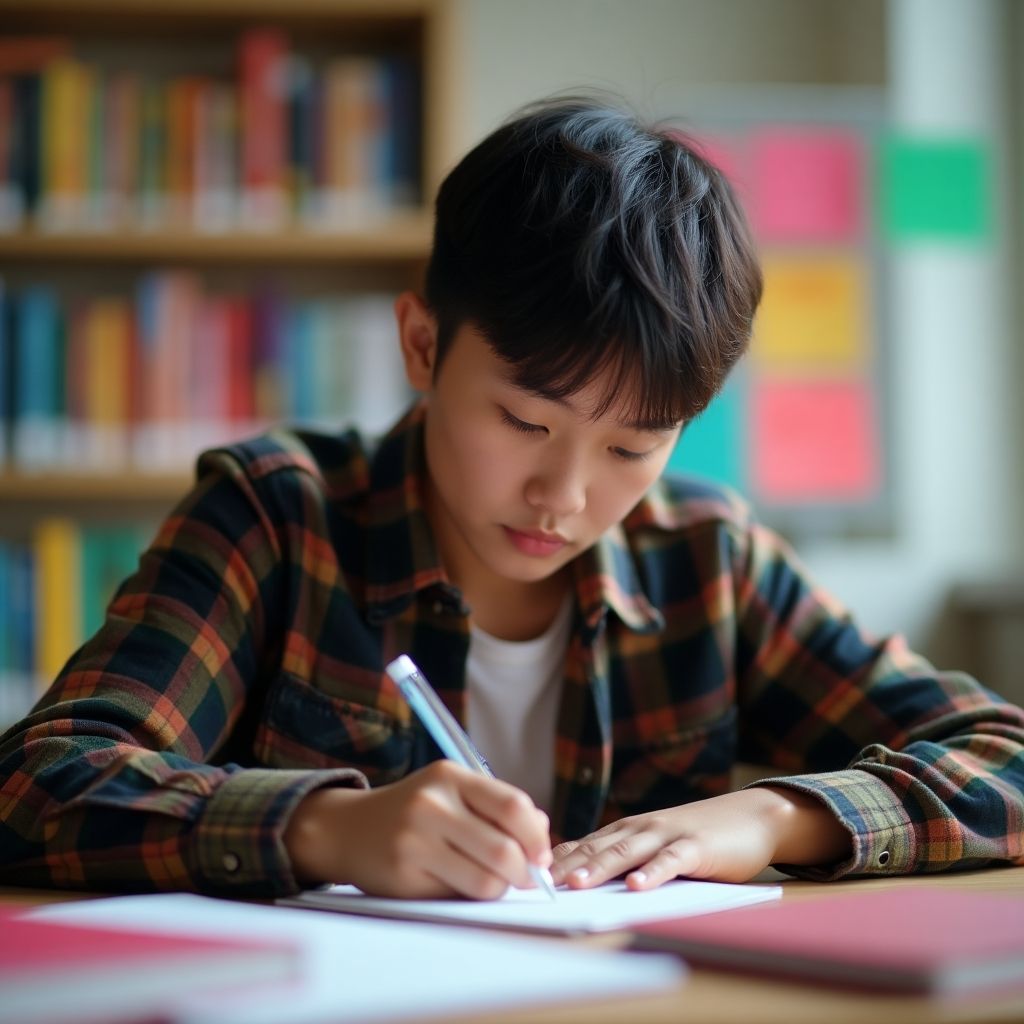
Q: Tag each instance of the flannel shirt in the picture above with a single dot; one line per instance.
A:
(241, 667)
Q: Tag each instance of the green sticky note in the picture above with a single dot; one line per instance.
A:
(935, 189)
(713, 444)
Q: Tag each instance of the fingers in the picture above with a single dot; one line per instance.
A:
(606, 854)
(679, 858)
(514, 813)
(490, 832)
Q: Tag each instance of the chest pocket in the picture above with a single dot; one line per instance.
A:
(687, 765)
(304, 727)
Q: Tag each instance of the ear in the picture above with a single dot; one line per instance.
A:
(417, 335)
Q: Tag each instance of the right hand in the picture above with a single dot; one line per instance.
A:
(441, 831)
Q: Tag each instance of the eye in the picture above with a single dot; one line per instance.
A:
(521, 425)
(627, 456)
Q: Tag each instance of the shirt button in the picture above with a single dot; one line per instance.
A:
(585, 776)
(883, 858)
(232, 862)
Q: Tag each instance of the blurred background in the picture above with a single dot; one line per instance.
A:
(207, 207)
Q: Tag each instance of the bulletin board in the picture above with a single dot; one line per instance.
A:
(804, 426)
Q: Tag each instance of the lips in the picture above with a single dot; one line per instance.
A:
(536, 543)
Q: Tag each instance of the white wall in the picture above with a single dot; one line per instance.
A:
(946, 66)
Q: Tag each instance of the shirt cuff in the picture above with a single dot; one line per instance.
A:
(881, 831)
(239, 839)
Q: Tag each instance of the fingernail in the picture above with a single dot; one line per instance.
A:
(638, 876)
(581, 874)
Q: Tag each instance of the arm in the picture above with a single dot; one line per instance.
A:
(104, 784)
(905, 768)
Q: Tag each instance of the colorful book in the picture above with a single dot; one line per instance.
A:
(57, 547)
(68, 88)
(53, 972)
(110, 554)
(38, 392)
(262, 59)
(908, 940)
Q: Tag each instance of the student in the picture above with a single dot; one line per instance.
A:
(615, 640)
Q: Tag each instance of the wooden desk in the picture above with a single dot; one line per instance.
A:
(711, 997)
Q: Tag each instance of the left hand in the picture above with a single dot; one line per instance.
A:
(728, 838)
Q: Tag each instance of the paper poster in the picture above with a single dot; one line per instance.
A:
(935, 189)
(813, 440)
(814, 314)
(807, 185)
(726, 154)
(713, 444)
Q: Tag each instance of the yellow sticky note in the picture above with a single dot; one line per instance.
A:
(814, 314)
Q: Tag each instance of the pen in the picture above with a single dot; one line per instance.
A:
(448, 734)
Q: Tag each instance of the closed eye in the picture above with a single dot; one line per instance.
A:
(627, 456)
(521, 425)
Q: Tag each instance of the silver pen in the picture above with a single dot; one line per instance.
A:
(448, 734)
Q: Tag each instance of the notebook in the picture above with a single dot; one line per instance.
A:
(575, 911)
(913, 940)
(53, 972)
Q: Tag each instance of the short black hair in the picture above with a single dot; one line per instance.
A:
(577, 238)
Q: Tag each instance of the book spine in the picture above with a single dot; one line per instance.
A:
(263, 55)
(5, 374)
(67, 89)
(36, 368)
(57, 546)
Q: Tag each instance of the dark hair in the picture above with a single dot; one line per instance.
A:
(577, 239)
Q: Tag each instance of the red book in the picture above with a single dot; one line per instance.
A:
(263, 57)
(56, 973)
(911, 940)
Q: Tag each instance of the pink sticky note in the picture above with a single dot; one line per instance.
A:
(807, 185)
(813, 440)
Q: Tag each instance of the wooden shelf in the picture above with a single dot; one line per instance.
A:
(404, 239)
(247, 10)
(155, 488)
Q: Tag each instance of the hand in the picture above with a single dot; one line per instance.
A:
(441, 831)
(727, 838)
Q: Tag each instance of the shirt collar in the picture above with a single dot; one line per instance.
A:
(402, 558)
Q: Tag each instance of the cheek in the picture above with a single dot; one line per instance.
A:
(616, 492)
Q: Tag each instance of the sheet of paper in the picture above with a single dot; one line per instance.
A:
(605, 908)
(368, 970)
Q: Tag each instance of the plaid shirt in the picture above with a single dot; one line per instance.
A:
(241, 667)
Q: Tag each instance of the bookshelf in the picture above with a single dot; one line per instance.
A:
(312, 260)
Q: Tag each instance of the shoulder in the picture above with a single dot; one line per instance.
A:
(333, 466)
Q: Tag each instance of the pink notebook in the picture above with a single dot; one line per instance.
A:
(913, 940)
(53, 972)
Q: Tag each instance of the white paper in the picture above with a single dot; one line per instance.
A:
(357, 969)
(604, 908)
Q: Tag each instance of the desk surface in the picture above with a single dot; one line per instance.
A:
(710, 997)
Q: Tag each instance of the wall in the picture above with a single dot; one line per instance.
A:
(958, 356)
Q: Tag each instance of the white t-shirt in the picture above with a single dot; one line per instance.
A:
(512, 693)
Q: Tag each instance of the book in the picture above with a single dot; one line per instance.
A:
(912, 940)
(608, 907)
(53, 972)
(57, 543)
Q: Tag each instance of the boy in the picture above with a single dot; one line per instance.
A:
(615, 642)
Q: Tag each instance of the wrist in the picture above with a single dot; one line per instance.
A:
(806, 832)
(313, 835)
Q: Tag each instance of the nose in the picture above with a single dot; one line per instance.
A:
(558, 488)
